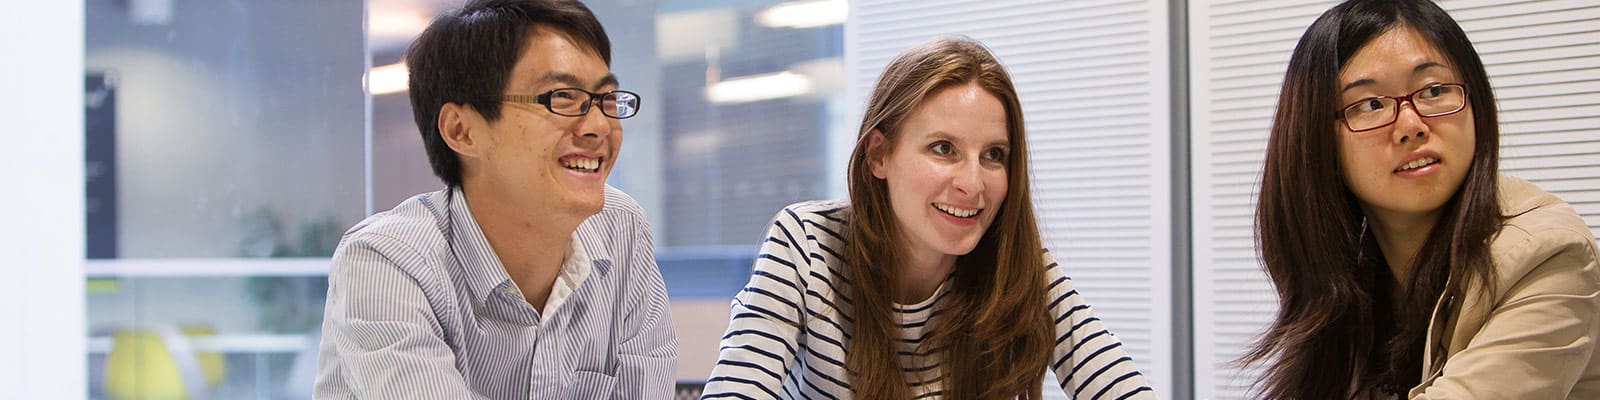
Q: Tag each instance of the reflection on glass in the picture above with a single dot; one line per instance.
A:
(218, 337)
(225, 155)
(236, 129)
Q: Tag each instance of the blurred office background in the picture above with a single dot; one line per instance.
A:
(188, 166)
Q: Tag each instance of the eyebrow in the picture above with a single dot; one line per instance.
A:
(1006, 143)
(1368, 81)
(570, 79)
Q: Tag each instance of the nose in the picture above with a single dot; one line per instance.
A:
(1408, 124)
(594, 124)
(968, 179)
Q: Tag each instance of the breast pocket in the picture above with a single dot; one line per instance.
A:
(593, 385)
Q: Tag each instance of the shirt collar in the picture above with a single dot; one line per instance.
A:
(574, 270)
(482, 268)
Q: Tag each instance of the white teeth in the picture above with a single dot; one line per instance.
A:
(587, 165)
(956, 211)
(1418, 163)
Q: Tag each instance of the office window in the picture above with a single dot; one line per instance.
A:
(225, 154)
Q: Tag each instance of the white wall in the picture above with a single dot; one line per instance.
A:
(41, 297)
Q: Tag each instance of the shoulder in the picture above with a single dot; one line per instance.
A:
(1058, 283)
(620, 204)
(618, 224)
(808, 237)
(830, 215)
(1540, 232)
(620, 232)
(408, 238)
(414, 224)
(1053, 271)
(620, 213)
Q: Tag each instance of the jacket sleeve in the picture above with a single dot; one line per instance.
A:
(1089, 362)
(380, 338)
(759, 348)
(1539, 337)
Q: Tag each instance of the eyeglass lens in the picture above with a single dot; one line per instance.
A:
(574, 102)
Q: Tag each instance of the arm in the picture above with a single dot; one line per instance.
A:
(1089, 362)
(381, 339)
(759, 348)
(1539, 340)
(647, 362)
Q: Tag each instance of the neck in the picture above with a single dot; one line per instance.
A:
(920, 275)
(531, 246)
(1400, 237)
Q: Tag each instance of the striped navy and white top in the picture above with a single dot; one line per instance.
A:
(786, 337)
(419, 307)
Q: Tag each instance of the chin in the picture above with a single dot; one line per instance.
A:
(588, 204)
(961, 248)
(592, 208)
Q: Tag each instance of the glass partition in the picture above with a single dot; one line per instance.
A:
(225, 154)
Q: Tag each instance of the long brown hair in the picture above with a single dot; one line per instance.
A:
(1338, 333)
(993, 337)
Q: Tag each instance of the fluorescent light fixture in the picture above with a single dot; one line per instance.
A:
(759, 87)
(804, 14)
(392, 78)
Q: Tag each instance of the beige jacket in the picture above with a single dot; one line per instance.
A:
(1534, 336)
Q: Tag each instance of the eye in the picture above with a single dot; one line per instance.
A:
(941, 148)
(995, 154)
(1431, 92)
(1372, 105)
(564, 95)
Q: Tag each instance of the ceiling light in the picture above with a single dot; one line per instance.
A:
(759, 87)
(392, 78)
(804, 14)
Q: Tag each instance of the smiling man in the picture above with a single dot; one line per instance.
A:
(526, 277)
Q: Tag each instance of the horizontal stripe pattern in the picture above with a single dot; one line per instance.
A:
(419, 307)
(787, 337)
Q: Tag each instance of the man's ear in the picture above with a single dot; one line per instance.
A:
(875, 150)
(461, 128)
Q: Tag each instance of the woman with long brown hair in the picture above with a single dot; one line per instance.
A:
(931, 282)
(1405, 264)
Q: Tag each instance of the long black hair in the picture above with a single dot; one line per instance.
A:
(1338, 327)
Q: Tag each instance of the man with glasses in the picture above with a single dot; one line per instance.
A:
(526, 277)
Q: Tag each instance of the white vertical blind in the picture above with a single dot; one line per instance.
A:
(1543, 58)
(1092, 76)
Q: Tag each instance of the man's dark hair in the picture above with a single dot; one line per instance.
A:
(466, 56)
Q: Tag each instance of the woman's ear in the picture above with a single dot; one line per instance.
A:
(459, 127)
(875, 150)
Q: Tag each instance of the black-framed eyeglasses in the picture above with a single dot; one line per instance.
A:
(575, 102)
(1435, 100)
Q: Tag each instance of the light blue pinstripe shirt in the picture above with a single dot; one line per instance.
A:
(419, 307)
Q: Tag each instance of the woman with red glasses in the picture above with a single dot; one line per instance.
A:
(1405, 264)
